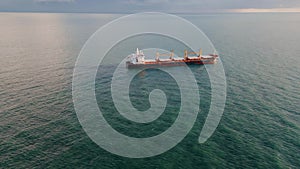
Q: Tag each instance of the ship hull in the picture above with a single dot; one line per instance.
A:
(155, 64)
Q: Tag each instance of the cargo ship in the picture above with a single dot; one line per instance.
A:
(137, 60)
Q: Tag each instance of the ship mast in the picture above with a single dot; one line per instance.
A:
(172, 54)
(200, 53)
(157, 56)
(185, 54)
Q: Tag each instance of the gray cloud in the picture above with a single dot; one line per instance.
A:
(131, 6)
(58, 1)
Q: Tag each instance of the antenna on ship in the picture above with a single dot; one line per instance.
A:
(137, 51)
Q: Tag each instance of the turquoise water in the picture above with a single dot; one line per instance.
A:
(260, 127)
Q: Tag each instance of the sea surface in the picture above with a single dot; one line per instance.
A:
(260, 127)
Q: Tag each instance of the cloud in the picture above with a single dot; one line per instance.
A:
(145, 2)
(132, 6)
(55, 1)
(263, 10)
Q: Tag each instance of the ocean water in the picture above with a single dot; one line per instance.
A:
(260, 127)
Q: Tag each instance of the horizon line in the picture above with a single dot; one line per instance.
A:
(265, 10)
(240, 10)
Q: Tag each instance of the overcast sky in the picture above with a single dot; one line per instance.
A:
(132, 6)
